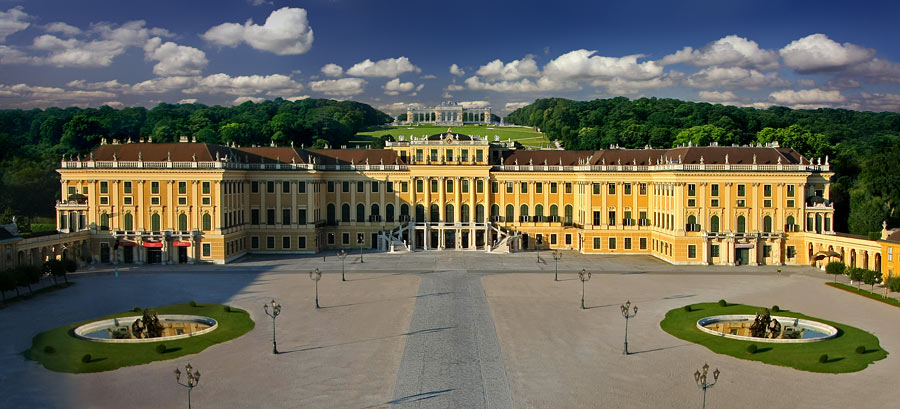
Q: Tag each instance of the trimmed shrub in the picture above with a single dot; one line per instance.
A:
(49, 350)
(723, 303)
(227, 308)
(136, 309)
(776, 308)
(860, 349)
(192, 303)
(161, 349)
(751, 349)
(86, 358)
(823, 358)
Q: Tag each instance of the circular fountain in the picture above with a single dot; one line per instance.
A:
(766, 328)
(138, 329)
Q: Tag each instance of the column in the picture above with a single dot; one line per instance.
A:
(353, 206)
(457, 208)
(487, 213)
(678, 208)
(442, 199)
(278, 192)
(472, 205)
(310, 192)
(294, 188)
(426, 234)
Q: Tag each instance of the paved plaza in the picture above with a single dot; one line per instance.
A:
(447, 329)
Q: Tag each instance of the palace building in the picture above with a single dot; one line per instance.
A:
(196, 202)
(448, 114)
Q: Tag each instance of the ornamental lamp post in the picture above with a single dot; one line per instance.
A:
(703, 381)
(537, 245)
(316, 275)
(193, 379)
(627, 314)
(276, 311)
(556, 257)
(583, 275)
(343, 255)
(359, 240)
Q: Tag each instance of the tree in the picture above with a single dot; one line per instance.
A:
(872, 277)
(808, 143)
(867, 212)
(81, 133)
(880, 176)
(836, 268)
(27, 275)
(8, 282)
(59, 268)
(703, 135)
(856, 274)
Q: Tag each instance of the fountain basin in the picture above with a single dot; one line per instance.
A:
(174, 327)
(732, 326)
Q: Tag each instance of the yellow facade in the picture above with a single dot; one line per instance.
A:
(192, 202)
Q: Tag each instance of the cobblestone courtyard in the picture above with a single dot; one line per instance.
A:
(448, 330)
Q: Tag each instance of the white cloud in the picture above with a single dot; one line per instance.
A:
(272, 85)
(419, 87)
(428, 77)
(806, 83)
(455, 70)
(512, 106)
(285, 32)
(474, 104)
(731, 50)
(818, 53)
(583, 64)
(258, 2)
(111, 85)
(881, 101)
(877, 70)
(806, 96)
(394, 87)
(163, 84)
(342, 87)
(446, 95)
(332, 70)
(174, 59)
(113, 41)
(454, 87)
(511, 71)
(734, 77)
(716, 96)
(113, 104)
(11, 55)
(389, 67)
(36, 96)
(296, 98)
(397, 107)
(12, 21)
(622, 86)
(187, 101)
(241, 100)
(841, 82)
(523, 85)
(62, 28)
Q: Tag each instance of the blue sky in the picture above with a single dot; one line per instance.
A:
(390, 54)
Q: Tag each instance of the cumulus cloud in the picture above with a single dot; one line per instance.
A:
(341, 87)
(113, 41)
(62, 28)
(583, 64)
(512, 106)
(428, 77)
(162, 84)
(241, 100)
(622, 86)
(734, 77)
(272, 85)
(877, 70)
(187, 101)
(12, 55)
(454, 87)
(174, 59)
(389, 67)
(881, 101)
(716, 96)
(398, 107)
(729, 50)
(455, 70)
(474, 104)
(111, 85)
(25, 95)
(807, 97)
(285, 32)
(332, 70)
(12, 21)
(513, 70)
(818, 53)
(394, 87)
(523, 85)
(296, 98)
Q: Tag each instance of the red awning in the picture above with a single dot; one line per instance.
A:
(179, 243)
(154, 244)
(127, 243)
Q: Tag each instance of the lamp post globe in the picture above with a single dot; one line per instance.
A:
(702, 379)
(316, 275)
(274, 313)
(192, 380)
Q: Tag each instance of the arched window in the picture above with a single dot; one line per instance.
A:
(207, 219)
(376, 212)
(404, 210)
(692, 224)
(389, 212)
(182, 222)
(495, 212)
(568, 214)
(523, 211)
(789, 224)
(554, 213)
(510, 213)
(878, 262)
(741, 224)
(330, 214)
(129, 222)
(767, 224)
(818, 223)
(538, 212)
(435, 213)
(464, 213)
(345, 213)
(154, 222)
(420, 213)
(104, 221)
(852, 256)
(360, 212)
(448, 213)
(479, 213)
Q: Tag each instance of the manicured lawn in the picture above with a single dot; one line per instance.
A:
(866, 293)
(69, 350)
(841, 350)
(526, 136)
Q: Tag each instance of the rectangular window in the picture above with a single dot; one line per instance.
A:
(301, 242)
(890, 254)
(104, 200)
(643, 243)
(692, 189)
(207, 249)
(596, 188)
(568, 188)
(104, 187)
(479, 156)
(154, 200)
(714, 190)
(596, 218)
(270, 186)
(419, 155)
(330, 187)
(612, 218)
(597, 242)
(791, 252)
(434, 155)
(790, 190)
(254, 187)
(643, 188)
(126, 187)
(420, 186)
(449, 185)
(767, 203)
(568, 239)
(523, 187)
(612, 243)
(126, 200)
(182, 188)
(538, 187)
(285, 187)
(692, 202)
(767, 251)
(301, 216)
(449, 155)
(286, 216)
(182, 200)
(375, 187)
(360, 187)
(254, 242)
(714, 250)
(464, 187)
(330, 238)
(434, 186)
(270, 216)
(553, 238)
(270, 242)
(479, 186)
(612, 188)
(742, 190)
(207, 201)
(692, 251)
(285, 242)
(767, 190)
(301, 187)
(741, 203)
(627, 188)
(345, 238)
(790, 203)
(553, 187)
(509, 187)
(404, 187)
(345, 187)
(714, 202)
(154, 188)
(465, 155)
(495, 187)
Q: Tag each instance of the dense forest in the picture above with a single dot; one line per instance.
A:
(863, 147)
(33, 141)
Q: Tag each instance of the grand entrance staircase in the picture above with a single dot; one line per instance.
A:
(394, 238)
(507, 241)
